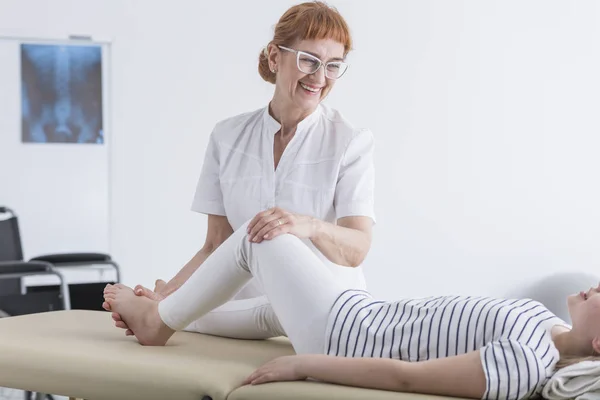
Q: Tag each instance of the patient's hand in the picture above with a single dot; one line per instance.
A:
(288, 368)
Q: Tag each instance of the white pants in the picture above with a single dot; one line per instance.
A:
(251, 318)
(298, 287)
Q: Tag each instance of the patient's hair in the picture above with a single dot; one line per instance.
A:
(306, 21)
(571, 360)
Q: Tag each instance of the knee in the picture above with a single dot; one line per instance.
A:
(242, 232)
(281, 246)
(244, 226)
(285, 238)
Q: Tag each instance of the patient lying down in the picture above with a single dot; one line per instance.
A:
(461, 346)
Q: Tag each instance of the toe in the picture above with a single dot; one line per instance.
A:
(121, 324)
(116, 317)
(106, 306)
(128, 332)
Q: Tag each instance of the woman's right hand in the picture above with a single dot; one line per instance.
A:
(157, 294)
(140, 290)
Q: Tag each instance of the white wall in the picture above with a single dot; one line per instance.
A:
(485, 115)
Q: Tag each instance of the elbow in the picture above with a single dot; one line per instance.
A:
(350, 258)
(357, 258)
(356, 261)
(347, 261)
(360, 254)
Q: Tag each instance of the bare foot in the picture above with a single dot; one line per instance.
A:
(140, 314)
(119, 323)
(105, 304)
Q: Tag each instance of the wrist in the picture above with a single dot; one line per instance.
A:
(305, 365)
(166, 290)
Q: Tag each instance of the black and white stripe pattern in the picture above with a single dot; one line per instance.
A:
(516, 350)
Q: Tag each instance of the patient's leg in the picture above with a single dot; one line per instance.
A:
(246, 318)
(252, 318)
(300, 289)
(240, 319)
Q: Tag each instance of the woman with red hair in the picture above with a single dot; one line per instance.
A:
(293, 167)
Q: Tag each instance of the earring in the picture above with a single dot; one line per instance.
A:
(273, 70)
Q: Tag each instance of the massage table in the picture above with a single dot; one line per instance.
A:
(80, 354)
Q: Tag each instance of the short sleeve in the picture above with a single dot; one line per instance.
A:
(354, 192)
(208, 198)
(512, 370)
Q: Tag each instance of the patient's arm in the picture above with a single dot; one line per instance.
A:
(460, 376)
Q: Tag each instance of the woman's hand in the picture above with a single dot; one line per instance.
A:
(157, 294)
(273, 222)
(288, 368)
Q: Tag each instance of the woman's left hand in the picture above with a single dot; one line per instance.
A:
(286, 368)
(276, 221)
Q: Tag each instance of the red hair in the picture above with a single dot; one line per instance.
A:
(306, 21)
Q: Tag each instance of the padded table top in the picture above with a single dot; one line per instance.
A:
(80, 354)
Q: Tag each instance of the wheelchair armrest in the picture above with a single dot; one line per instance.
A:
(24, 267)
(73, 258)
(79, 260)
(20, 269)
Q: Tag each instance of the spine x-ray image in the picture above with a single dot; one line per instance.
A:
(61, 87)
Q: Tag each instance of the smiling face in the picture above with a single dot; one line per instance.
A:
(584, 309)
(295, 88)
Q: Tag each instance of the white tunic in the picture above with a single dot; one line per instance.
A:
(326, 172)
(512, 336)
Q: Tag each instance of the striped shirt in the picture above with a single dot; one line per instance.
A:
(513, 336)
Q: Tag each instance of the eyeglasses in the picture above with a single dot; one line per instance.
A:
(309, 64)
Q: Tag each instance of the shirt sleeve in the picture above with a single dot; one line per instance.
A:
(208, 198)
(354, 192)
(512, 370)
